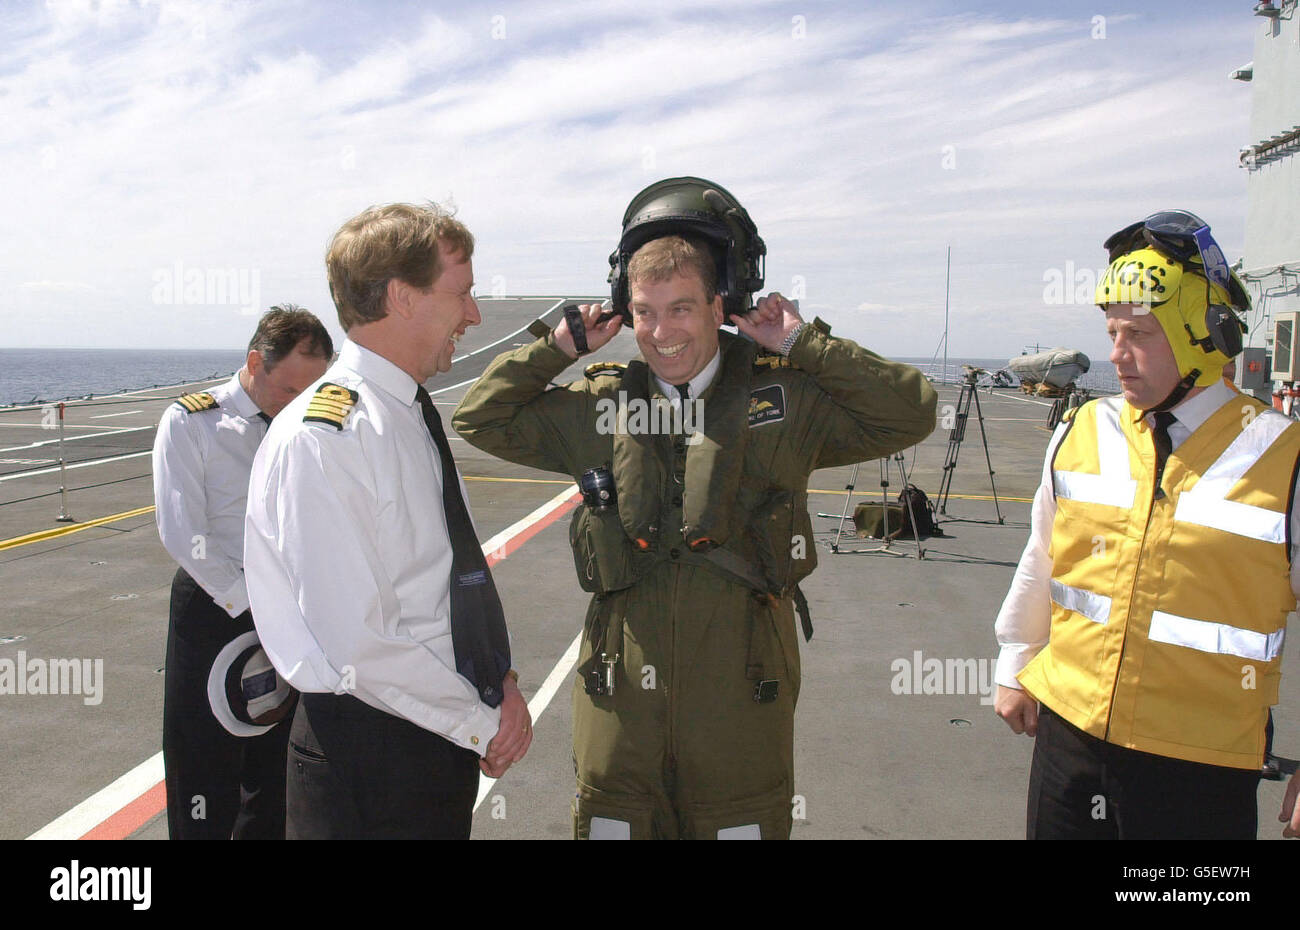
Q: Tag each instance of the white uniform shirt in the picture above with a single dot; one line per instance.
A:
(201, 463)
(1025, 620)
(348, 557)
(698, 385)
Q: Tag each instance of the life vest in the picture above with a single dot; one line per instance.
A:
(689, 501)
(1169, 605)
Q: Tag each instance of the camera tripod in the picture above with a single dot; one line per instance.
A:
(884, 497)
(955, 437)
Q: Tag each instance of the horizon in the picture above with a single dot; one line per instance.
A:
(180, 166)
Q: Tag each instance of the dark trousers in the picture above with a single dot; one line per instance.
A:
(355, 772)
(1083, 788)
(219, 786)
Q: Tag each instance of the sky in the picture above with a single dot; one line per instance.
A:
(150, 147)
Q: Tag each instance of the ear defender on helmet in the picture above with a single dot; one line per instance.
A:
(703, 210)
(1197, 316)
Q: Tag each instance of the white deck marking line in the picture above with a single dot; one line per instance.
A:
(1028, 400)
(46, 471)
(138, 394)
(107, 802)
(47, 442)
(105, 416)
(104, 803)
(118, 429)
(539, 703)
(522, 329)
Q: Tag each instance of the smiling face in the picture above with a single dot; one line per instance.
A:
(442, 312)
(1141, 355)
(675, 325)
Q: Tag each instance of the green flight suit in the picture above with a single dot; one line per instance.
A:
(693, 572)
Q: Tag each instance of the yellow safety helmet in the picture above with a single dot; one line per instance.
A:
(1195, 314)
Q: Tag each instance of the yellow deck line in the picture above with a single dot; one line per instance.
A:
(964, 497)
(71, 528)
(126, 515)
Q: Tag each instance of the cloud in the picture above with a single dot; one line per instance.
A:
(58, 286)
(863, 141)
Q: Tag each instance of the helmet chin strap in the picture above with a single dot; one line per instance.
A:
(1178, 393)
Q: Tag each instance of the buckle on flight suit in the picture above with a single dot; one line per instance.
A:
(599, 680)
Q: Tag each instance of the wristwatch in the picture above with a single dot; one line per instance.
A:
(788, 342)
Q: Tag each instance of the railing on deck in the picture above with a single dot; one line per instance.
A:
(51, 416)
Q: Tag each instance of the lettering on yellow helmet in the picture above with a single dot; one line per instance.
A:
(1135, 282)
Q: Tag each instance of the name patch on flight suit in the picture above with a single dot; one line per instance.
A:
(193, 403)
(330, 404)
(767, 405)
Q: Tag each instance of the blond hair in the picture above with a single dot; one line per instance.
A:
(395, 240)
(660, 259)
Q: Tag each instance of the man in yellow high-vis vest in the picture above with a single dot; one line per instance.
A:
(1141, 639)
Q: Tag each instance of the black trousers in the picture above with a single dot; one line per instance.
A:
(1083, 788)
(219, 786)
(355, 772)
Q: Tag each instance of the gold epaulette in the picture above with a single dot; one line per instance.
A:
(773, 362)
(193, 403)
(330, 404)
(596, 369)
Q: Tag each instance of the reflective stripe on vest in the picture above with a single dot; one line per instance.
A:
(1192, 600)
(1218, 638)
(1115, 486)
(1096, 607)
(1204, 503)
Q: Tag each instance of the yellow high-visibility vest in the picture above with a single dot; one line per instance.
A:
(1169, 606)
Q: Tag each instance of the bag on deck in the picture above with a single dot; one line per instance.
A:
(870, 519)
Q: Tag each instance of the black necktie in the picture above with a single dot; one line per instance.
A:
(1164, 445)
(265, 418)
(683, 390)
(1160, 432)
(478, 624)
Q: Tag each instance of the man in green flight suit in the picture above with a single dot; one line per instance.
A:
(694, 462)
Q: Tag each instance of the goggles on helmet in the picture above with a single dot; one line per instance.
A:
(1184, 237)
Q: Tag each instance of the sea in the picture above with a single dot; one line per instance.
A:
(30, 376)
(38, 375)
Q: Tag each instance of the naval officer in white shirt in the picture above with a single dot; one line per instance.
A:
(223, 773)
(369, 588)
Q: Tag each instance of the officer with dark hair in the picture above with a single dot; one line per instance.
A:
(692, 538)
(224, 757)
